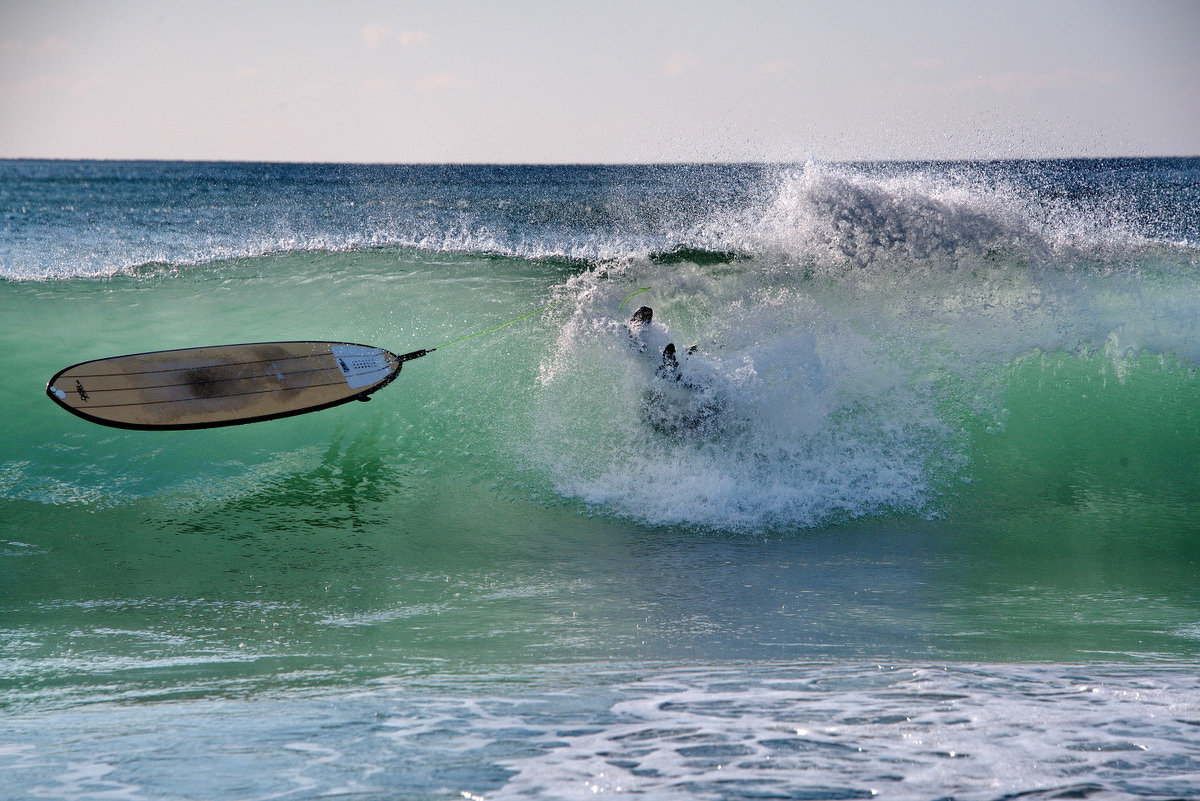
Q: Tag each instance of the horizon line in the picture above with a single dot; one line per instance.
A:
(666, 163)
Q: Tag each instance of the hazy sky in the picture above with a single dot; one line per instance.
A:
(357, 80)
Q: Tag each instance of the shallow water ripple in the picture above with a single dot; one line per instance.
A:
(911, 733)
(581, 731)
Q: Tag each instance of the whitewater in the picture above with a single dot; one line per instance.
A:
(931, 534)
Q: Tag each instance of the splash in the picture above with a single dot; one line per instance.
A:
(860, 352)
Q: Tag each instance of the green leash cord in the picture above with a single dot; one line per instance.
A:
(525, 317)
(635, 294)
(497, 328)
(416, 354)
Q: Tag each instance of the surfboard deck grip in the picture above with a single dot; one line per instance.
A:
(400, 360)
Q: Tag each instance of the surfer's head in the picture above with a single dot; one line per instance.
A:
(643, 315)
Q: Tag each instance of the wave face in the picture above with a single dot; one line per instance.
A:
(871, 339)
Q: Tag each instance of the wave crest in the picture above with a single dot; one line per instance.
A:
(832, 219)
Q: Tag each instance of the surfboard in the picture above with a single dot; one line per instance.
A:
(223, 385)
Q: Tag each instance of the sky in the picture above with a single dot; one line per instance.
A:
(597, 82)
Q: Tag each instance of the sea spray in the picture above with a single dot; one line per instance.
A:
(858, 345)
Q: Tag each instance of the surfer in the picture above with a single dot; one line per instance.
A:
(683, 394)
(645, 335)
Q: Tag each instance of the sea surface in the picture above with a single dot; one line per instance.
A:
(920, 518)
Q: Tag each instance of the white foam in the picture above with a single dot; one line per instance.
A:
(577, 731)
(899, 733)
(815, 421)
(837, 219)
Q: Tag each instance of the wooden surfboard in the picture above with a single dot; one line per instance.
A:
(224, 384)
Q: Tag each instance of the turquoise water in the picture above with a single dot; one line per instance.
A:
(940, 541)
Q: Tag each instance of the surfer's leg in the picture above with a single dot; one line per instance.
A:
(670, 363)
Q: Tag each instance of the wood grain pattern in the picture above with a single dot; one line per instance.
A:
(211, 386)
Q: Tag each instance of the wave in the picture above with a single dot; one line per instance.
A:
(833, 218)
(869, 340)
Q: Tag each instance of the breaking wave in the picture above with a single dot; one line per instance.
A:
(867, 351)
(869, 340)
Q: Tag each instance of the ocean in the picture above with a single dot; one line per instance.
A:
(918, 517)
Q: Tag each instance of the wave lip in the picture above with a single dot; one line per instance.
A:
(833, 219)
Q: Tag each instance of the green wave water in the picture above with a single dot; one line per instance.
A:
(1048, 513)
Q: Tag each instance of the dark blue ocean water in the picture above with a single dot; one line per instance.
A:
(65, 219)
(917, 521)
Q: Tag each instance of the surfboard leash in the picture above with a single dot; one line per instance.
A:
(416, 354)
